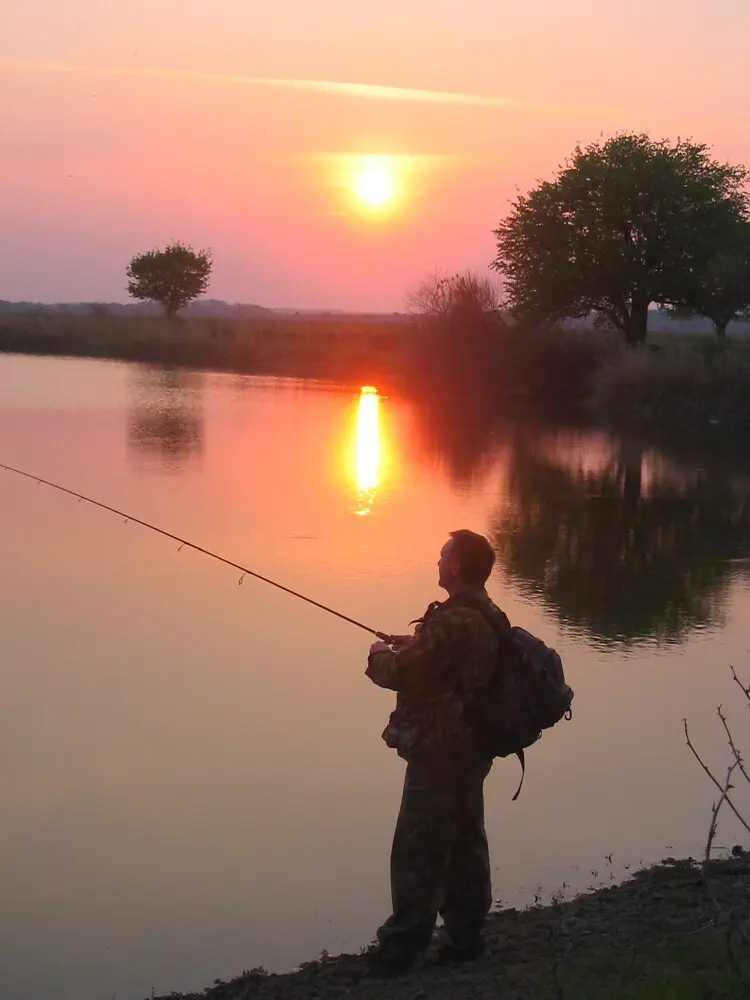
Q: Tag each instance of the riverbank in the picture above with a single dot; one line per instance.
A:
(678, 388)
(309, 347)
(654, 936)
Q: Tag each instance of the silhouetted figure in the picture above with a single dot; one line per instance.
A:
(440, 859)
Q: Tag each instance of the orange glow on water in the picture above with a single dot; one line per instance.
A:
(368, 450)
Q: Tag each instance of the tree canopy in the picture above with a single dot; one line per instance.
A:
(172, 277)
(626, 223)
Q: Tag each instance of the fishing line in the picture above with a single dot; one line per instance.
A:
(197, 548)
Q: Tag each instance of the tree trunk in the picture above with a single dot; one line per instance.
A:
(720, 325)
(637, 327)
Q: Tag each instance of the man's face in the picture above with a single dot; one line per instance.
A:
(447, 566)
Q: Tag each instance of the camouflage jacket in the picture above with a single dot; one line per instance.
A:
(453, 655)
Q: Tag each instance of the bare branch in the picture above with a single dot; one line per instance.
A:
(735, 752)
(441, 295)
(716, 810)
(730, 918)
(722, 789)
(725, 917)
(745, 690)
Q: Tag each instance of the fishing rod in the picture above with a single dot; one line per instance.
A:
(197, 548)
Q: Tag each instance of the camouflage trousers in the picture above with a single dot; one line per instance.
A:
(440, 859)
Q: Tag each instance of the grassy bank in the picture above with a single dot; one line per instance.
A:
(399, 351)
(655, 936)
(678, 387)
(314, 348)
(687, 388)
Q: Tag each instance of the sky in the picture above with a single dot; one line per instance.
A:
(331, 154)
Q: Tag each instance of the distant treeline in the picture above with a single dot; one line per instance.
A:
(208, 308)
(204, 307)
(658, 322)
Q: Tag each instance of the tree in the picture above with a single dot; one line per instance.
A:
(460, 320)
(722, 291)
(624, 224)
(455, 296)
(172, 277)
(613, 556)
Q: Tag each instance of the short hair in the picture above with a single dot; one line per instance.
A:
(475, 556)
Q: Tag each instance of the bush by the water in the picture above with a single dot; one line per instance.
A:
(553, 364)
(698, 392)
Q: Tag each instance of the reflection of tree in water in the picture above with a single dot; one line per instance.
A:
(165, 419)
(617, 560)
(461, 440)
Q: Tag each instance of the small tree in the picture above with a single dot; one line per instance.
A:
(460, 320)
(721, 292)
(624, 224)
(455, 296)
(172, 277)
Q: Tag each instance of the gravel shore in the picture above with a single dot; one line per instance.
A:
(533, 953)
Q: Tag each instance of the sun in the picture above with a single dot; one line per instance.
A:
(375, 183)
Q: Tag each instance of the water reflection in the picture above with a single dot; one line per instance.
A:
(367, 448)
(165, 418)
(462, 443)
(621, 544)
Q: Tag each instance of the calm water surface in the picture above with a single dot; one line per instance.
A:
(193, 781)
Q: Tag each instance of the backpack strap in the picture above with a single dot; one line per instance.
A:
(431, 609)
(500, 624)
(496, 618)
(522, 759)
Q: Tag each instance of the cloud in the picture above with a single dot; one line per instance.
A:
(374, 92)
(361, 91)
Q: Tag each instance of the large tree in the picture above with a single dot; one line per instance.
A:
(173, 277)
(624, 224)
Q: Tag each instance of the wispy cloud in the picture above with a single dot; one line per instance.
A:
(374, 92)
(361, 91)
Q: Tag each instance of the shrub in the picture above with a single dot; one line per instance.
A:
(675, 390)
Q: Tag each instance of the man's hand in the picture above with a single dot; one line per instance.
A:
(400, 641)
(380, 647)
(395, 642)
(382, 669)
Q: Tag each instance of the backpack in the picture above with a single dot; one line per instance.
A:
(526, 695)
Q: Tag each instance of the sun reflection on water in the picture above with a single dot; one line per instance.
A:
(368, 448)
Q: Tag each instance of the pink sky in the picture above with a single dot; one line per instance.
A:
(127, 125)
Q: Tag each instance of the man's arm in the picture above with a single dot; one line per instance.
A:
(415, 664)
(381, 666)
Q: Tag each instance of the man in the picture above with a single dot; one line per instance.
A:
(440, 859)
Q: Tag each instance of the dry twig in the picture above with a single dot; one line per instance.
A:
(732, 746)
(722, 789)
(731, 919)
(738, 682)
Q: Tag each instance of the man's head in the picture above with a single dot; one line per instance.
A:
(466, 561)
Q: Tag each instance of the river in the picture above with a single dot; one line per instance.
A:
(193, 781)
